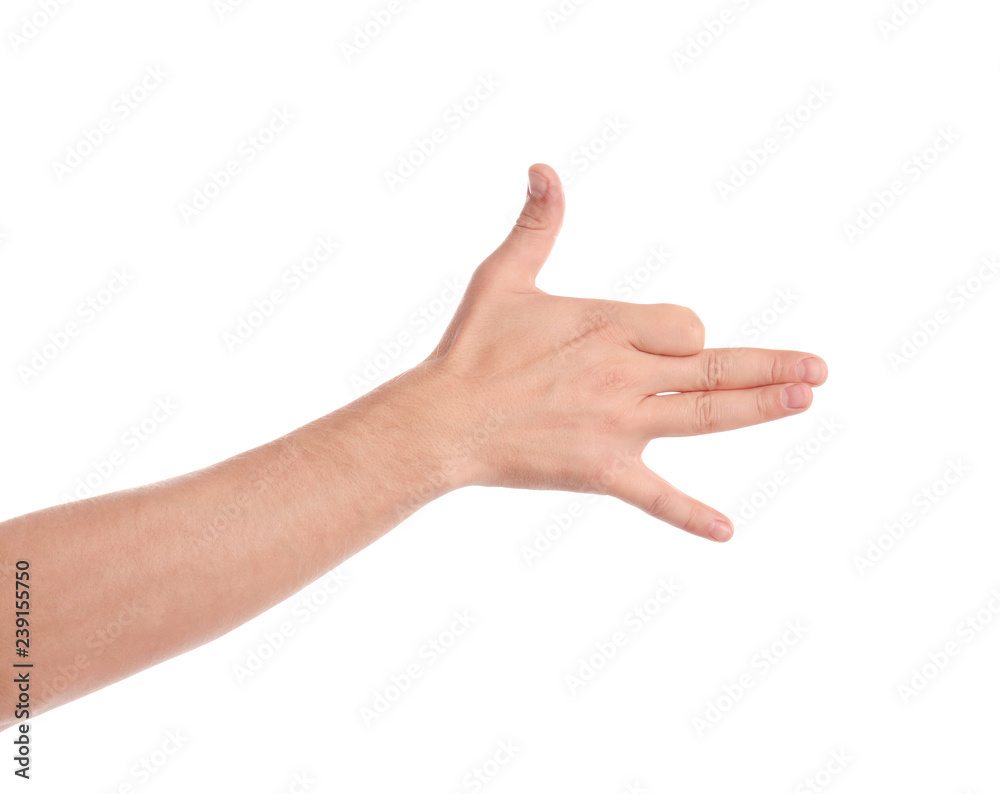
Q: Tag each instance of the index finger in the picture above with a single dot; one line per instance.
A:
(735, 368)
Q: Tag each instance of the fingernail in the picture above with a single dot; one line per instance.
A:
(721, 531)
(811, 370)
(796, 396)
(537, 185)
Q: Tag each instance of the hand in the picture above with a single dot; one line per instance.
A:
(571, 391)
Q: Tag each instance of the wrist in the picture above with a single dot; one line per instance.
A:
(407, 442)
(445, 419)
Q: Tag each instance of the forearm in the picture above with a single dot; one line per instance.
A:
(176, 564)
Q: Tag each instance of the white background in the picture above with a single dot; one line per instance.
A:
(686, 127)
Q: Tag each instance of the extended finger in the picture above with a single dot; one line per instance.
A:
(645, 489)
(698, 413)
(733, 368)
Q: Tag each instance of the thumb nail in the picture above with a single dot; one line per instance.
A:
(537, 185)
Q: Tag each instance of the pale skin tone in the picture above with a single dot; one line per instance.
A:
(525, 390)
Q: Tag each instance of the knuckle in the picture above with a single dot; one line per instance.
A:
(706, 414)
(763, 405)
(530, 220)
(777, 370)
(612, 378)
(717, 368)
(691, 522)
(613, 422)
(658, 505)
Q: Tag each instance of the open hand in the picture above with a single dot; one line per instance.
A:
(576, 389)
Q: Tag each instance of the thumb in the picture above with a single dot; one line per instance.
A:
(519, 258)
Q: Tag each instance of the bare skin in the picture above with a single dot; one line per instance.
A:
(525, 390)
